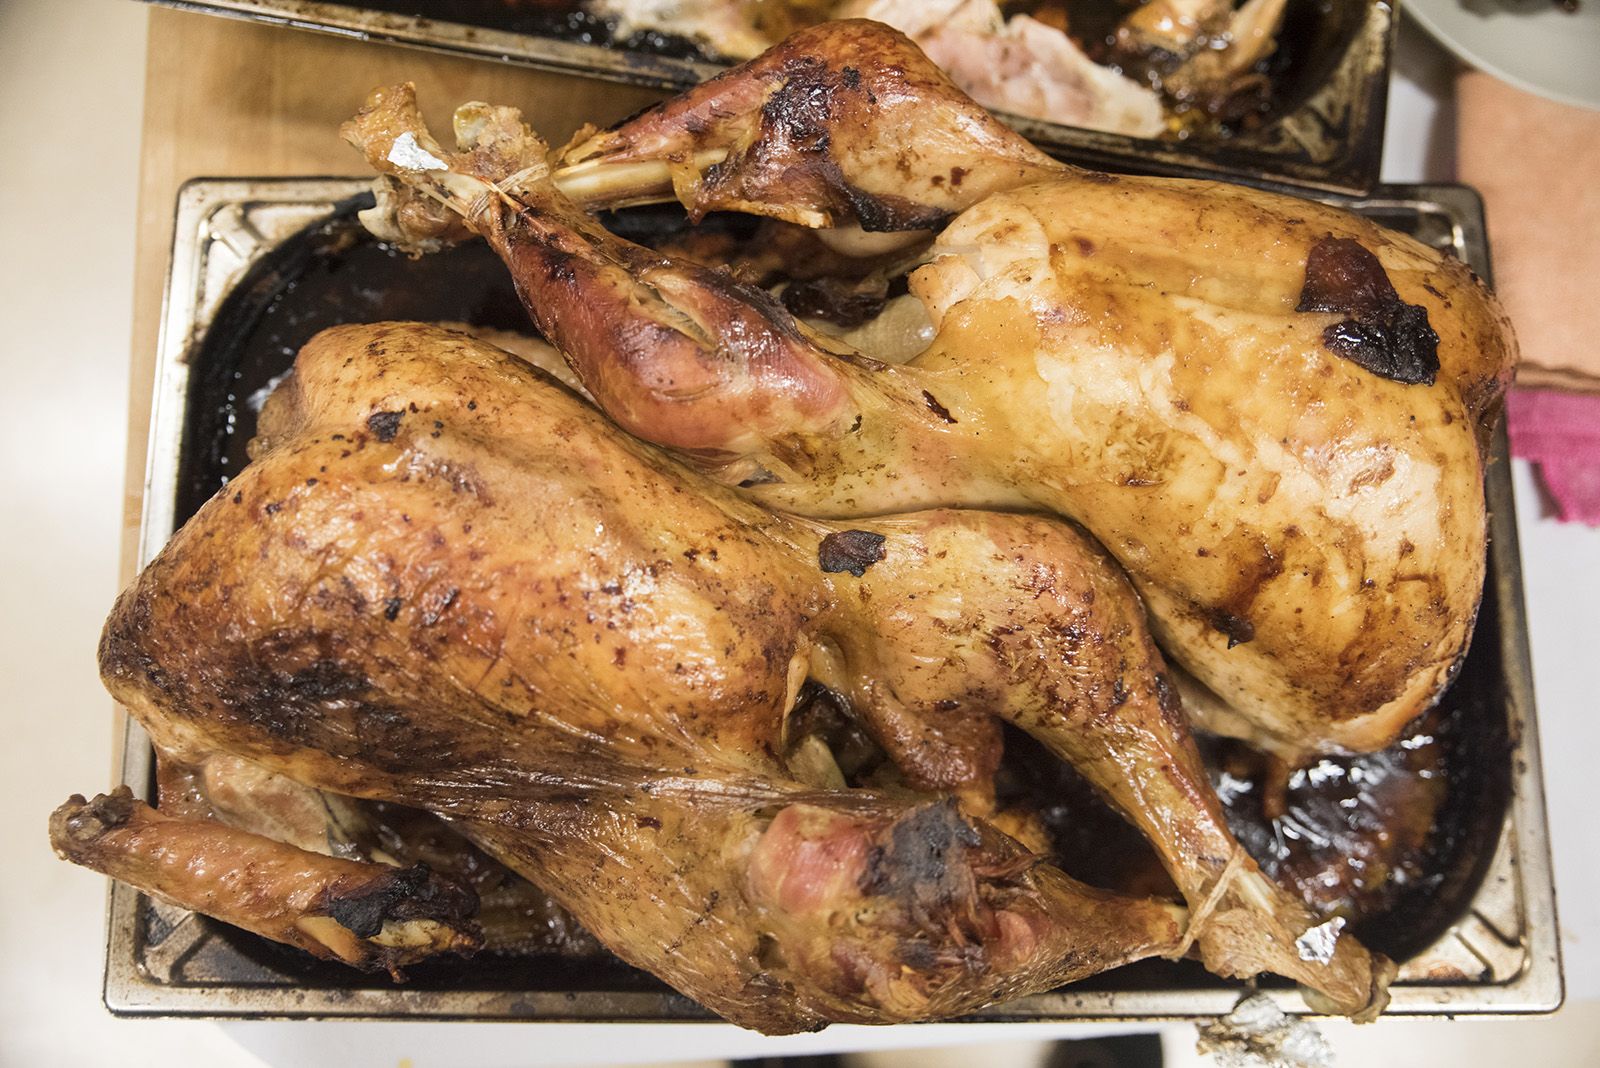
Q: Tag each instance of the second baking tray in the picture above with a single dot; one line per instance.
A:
(259, 266)
(1324, 129)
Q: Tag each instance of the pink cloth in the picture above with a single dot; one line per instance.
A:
(1560, 432)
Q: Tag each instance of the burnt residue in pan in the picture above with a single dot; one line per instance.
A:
(1396, 840)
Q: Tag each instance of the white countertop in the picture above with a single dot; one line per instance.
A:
(69, 175)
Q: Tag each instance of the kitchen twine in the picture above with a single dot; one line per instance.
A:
(534, 171)
(1219, 889)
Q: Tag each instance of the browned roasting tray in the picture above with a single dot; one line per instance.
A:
(1467, 906)
(1318, 123)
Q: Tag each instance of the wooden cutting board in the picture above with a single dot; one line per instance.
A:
(226, 98)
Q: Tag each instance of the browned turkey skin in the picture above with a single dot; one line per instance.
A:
(1273, 413)
(448, 583)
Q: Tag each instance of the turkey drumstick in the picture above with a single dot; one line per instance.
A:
(1273, 413)
(372, 916)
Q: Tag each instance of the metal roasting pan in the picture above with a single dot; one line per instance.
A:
(1331, 79)
(235, 248)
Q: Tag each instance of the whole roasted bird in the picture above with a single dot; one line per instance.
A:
(447, 582)
(1274, 414)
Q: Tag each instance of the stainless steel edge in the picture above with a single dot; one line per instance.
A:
(216, 238)
(135, 761)
(1539, 987)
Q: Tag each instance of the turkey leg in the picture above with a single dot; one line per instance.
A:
(371, 916)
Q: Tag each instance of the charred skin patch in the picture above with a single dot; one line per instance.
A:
(1238, 629)
(850, 550)
(880, 213)
(1383, 333)
(912, 892)
(324, 701)
(936, 408)
(412, 893)
(796, 120)
(924, 860)
(931, 866)
(1259, 564)
(384, 425)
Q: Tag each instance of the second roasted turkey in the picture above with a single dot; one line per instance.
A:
(1274, 414)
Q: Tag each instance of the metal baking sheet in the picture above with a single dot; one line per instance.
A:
(236, 239)
(1326, 134)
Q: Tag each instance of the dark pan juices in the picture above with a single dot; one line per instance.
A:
(1395, 841)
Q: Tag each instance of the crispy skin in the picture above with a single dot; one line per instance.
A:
(367, 915)
(1309, 535)
(449, 583)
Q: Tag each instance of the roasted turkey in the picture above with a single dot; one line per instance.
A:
(1273, 413)
(445, 581)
